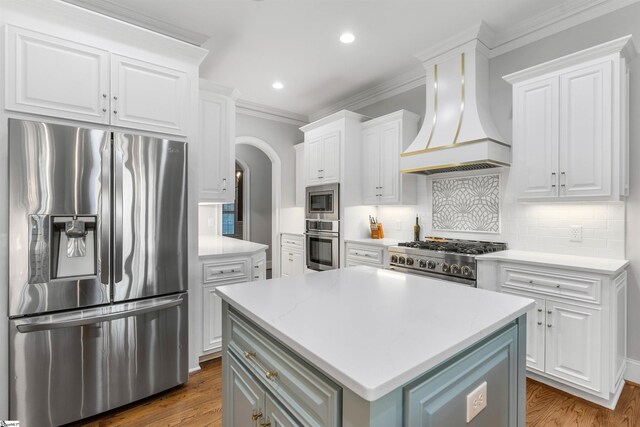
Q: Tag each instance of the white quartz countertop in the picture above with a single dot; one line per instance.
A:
(373, 330)
(220, 245)
(386, 242)
(589, 264)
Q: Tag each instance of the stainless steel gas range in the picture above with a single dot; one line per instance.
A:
(447, 259)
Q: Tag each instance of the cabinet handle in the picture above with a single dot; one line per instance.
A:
(539, 310)
(549, 312)
(115, 98)
(539, 323)
(256, 277)
(104, 110)
(558, 286)
(266, 423)
(531, 282)
(548, 325)
(270, 375)
(257, 414)
(115, 111)
(564, 183)
(104, 95)
(553, 177)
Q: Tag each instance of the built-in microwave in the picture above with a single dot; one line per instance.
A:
(323, 202)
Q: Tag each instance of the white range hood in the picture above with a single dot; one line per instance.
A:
(458, 132)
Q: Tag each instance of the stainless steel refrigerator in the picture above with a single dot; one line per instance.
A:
(97, 270)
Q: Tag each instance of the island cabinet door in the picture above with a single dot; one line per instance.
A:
(574, 343)
(245, 397)
(440, 399)
(276, 416)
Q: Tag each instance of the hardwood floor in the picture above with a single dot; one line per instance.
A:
(198, 404)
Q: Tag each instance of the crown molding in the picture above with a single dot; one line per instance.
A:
(623, 46)
(340, 115)
(397, 85)
(123, 13)
(552, 21)
(254, 109)
(210, 86)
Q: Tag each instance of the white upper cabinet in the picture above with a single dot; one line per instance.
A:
(216, 137)
(535, 127)
(54, 77)
(570, 125)
(332, 151)
(383, 139)
(322, 165)
(585, 131)
(147, 96)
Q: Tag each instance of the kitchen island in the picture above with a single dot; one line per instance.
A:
(368, 347)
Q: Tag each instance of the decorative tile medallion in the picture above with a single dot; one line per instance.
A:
(467, 204)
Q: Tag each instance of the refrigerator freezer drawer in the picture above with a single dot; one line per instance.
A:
(68, 366)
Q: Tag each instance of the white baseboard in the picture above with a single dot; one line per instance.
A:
(633, 371)
(194, 370)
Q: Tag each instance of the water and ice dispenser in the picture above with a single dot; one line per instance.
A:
(62, 247)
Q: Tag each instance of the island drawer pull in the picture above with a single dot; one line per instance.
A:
(266, 424)
(257, 414)
(270, 375)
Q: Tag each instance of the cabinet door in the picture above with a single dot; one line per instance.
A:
(286, 258)
(245, 397)
(389, 164)
(211, 320)
(574, 344)
(585, 131)
(298, 263)
(217, 148)
(300, 175)
(313, 161)
(259, 263)
(56, 77)
(535, 134)
(276, 416)
(371, 166)
(148, 96)
(535, 333)
(331, 158)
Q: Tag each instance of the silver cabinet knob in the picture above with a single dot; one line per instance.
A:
(104, 110)
(104, 95)
(115, 98)
(115, 111)
(548, 325)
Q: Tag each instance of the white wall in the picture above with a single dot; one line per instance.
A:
(544, 227)
(260, 194)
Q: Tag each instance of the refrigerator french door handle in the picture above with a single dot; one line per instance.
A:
(80, 319)
(117, 211)
(105, 217)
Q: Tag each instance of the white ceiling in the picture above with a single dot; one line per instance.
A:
(253, 43)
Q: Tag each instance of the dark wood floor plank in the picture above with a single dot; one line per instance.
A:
(198, 403)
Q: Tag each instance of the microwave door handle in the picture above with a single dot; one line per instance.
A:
(117, 209)
(105, 217)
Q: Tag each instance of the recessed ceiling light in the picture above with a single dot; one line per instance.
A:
(277, 85)
(347, 38)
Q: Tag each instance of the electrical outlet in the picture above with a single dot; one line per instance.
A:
(476, 401)
(575, 233)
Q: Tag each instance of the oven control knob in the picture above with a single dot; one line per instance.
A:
(445, 267)
(466, 270)
(394, 259)
(431, 265)
(455, 269)
(401, 260)
(422, 263)
(409, 261)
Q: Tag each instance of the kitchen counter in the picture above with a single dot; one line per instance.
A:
(373, 330)
(588, 264)
(386, 242)
(220, 245)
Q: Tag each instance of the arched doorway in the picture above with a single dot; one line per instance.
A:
(276, 188)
